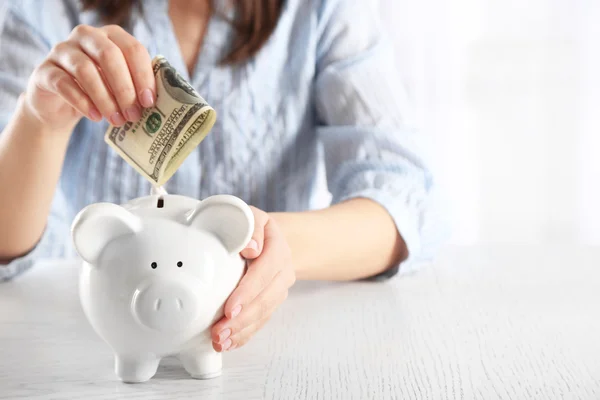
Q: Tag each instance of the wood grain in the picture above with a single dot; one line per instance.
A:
(482, 323)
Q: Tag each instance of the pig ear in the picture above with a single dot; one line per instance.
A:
(97, 225)
(227, 217)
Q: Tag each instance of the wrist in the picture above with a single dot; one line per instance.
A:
(292, 226)
(31, 124)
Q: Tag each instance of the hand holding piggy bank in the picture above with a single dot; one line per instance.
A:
(156, 274)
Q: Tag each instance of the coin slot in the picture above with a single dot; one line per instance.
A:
(160, 203)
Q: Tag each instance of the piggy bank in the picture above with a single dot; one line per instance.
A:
(156, 274)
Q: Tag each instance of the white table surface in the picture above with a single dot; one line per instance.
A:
(481, 323)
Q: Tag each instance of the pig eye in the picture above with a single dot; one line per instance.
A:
(154, 265)
(179, 264)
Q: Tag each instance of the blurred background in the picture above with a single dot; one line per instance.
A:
(508, 91)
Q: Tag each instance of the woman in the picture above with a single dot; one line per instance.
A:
(286, 77)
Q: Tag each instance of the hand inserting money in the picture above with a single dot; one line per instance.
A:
(167, 133)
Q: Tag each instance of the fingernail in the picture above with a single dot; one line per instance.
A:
(133, 113)
(224, 334)
(226, 345)
(232, 347)
(236, 311)
(117, 119)
(95, 114)
(252, 245)
(147, 98)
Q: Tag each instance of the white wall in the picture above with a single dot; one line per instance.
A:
(509, 92)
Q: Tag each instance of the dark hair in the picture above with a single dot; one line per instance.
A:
(255, 22)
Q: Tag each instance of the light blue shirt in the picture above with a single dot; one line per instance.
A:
(324, 91)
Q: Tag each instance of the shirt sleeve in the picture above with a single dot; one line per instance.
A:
(372, 149)
(22, 48)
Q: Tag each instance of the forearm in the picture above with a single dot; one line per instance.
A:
(30, 162)
(352, 240)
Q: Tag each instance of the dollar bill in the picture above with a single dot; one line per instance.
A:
(167, 133)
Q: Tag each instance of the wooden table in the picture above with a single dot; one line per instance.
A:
(481, 323)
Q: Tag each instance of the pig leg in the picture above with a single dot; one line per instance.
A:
(136, 368)
(202, 364)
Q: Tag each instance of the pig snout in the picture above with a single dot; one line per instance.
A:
(165, 306)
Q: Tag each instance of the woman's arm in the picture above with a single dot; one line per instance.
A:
(380, 185)
(350, 240)
(375, 159)
(31, 153)
(31, 157)
(56, 86)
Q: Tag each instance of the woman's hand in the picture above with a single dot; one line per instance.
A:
(263, 288)
(96, 72)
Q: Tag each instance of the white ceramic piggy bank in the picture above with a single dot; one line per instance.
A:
(156, 274)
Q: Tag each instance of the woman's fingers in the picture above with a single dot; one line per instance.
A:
(239, 329)
(58, 81)
(110, 59)
(260, 274)
(138, 61)
(73, 60)
(256, 244)
(112, 68)
(241, 338)
(259, 308)
(246, 334)
(262, 289)
(275, 256)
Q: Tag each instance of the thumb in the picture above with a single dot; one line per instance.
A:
(255, 246)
